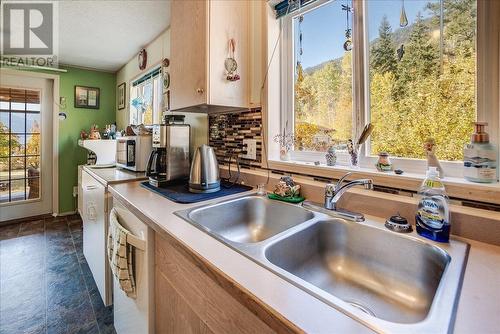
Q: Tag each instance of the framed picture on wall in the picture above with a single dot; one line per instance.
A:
(87, 97)
(121, 96)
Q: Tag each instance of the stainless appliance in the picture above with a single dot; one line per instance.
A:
(132, 152)
(169, 159)
(204, 175)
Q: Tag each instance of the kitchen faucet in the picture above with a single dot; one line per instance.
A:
(333, 193)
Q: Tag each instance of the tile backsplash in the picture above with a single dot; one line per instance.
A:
(227, 131)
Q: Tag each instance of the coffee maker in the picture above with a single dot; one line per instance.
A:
(169, 160)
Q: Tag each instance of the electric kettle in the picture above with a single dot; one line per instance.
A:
(204, 175)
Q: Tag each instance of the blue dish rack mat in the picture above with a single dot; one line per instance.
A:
(179, 192)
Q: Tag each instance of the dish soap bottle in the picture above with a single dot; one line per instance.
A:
(480, 157)
(433, 216)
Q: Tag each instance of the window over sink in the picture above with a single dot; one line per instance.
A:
(408, 67)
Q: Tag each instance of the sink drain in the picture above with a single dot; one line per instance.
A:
(361, 307)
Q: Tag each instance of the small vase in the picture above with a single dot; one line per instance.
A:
(354, 157)
(331, 156)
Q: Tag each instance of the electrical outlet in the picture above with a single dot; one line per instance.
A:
(250, 145)
(75, 191)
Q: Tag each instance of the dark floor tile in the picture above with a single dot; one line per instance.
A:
(23, 327)
(32, 227)
(21, 255)
(46, 285)
(9, 231)
(80, 316)
(104, 314)
(23, 303)
(56, 226)
(74, 219)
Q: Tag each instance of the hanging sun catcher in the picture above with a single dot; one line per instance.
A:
(299, 70)
(348, 30)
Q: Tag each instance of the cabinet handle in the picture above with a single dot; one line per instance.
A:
(90, 187)
(200, 91)
(91, 211)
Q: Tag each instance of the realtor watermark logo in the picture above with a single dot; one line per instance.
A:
(29, 33)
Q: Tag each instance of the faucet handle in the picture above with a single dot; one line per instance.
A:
(329, 194)
(329, 190)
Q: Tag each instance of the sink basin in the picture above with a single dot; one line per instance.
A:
(382, 274)
(390, 282)
(249, 219)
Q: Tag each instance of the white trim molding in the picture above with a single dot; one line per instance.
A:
(55, 126)
(279, 108)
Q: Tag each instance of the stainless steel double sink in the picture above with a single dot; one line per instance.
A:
(390, 282)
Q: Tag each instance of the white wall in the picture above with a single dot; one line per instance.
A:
(157, 50)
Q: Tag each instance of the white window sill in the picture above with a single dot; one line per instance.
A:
(455, 187)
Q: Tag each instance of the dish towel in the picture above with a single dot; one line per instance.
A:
(120, 255)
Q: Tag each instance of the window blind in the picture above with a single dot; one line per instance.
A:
(148, 76)
(282, 9)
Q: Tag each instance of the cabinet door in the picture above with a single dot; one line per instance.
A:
(229, 20)
(188, 39)
(94, 232)
(176, 315)
(199, 295)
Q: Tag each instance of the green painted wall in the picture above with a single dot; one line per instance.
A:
(70, 154)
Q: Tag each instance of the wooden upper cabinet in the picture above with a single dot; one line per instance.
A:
(200, 34)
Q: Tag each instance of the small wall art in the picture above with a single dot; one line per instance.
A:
(87, 97)
(121, 96)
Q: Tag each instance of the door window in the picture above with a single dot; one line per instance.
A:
(20, 144)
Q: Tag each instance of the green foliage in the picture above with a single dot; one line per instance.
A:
(383, 57)
(323, 102)
(4, 145)
(421, 96)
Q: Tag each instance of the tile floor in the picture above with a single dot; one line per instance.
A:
(45, 283)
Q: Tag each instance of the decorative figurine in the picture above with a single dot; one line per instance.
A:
(230, 63)
(83, 134)
(384, 163)
(331, 156)
(432, 160)
(286, 187)
(94, 132)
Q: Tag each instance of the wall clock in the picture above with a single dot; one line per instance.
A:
(142, 59)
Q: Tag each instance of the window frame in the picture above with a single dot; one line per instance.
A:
(361, 92)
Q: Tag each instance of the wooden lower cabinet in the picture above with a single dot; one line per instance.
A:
(173, 313)
(192, 298)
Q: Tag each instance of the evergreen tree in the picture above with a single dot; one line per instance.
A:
(382, 54)
(421, 56)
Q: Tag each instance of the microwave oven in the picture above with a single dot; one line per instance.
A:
(132, 152)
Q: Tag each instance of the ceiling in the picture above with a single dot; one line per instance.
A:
(105, 35)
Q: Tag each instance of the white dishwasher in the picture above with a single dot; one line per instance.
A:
(136, 315)
(96, 204)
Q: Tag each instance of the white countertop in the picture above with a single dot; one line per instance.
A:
(112, 175)
(478, 308)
